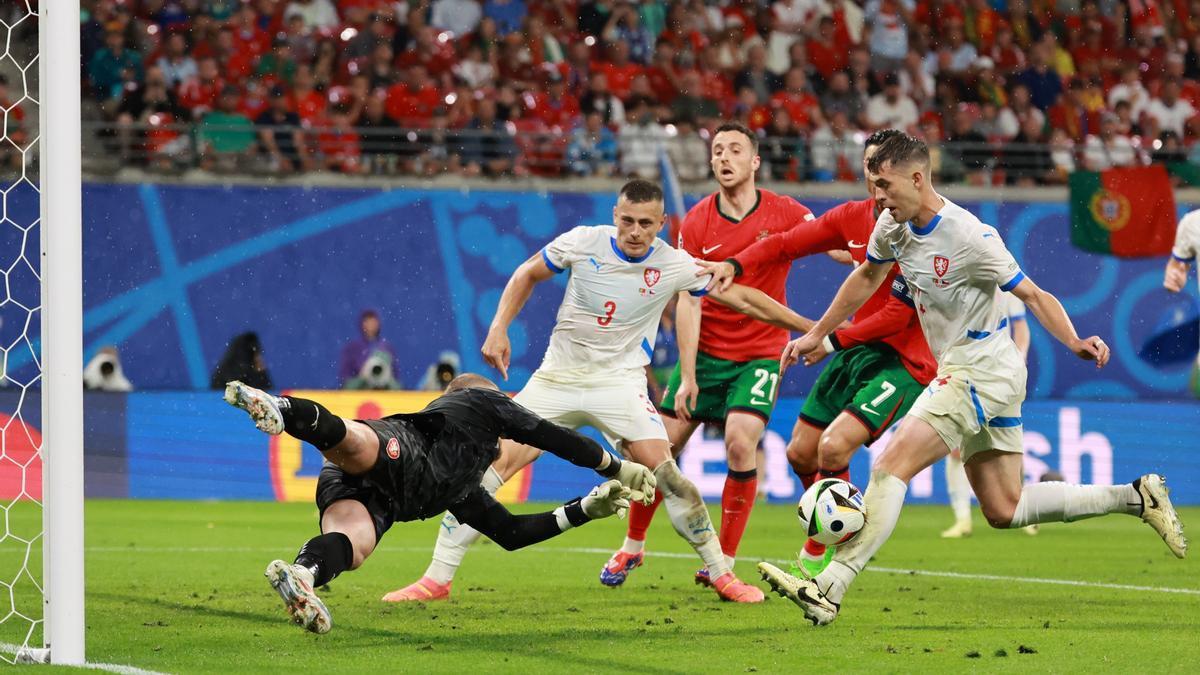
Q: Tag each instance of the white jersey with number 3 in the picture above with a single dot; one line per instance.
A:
(611, 309)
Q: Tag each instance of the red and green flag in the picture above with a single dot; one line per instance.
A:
(1127, 212)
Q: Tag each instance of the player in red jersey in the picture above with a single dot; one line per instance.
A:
(882, 361)
(729, 372)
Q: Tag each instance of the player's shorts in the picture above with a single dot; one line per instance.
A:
(616, 404)
(975, 409)
(727, 386)
(868, 381)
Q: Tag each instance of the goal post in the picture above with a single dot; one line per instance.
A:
(62, 330)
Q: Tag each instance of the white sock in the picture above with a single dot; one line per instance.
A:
(633, 546)
(454, 538)
(1063, 502)
(959, 489)
(883, 500)
(690, 517)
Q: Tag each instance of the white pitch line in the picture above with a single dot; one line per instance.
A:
(9, 648)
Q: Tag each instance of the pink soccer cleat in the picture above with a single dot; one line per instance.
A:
(421, 590)
(732, 589)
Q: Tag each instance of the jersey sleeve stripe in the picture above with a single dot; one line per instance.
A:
(553, 268)
(647, 348)
(1012, 283)
(1183, 260)
(879, 261)
(698, 293)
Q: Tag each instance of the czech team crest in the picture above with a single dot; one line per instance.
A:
(941, 265)
(651, 275)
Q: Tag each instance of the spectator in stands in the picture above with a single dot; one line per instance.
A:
(357, 351)
(487, 148)
(1126, 123)
(1109, 148)
(508, 14)
(111, 66)
(1043, 82)
(318, 15)
(624, 26)
(438, 147)
(541, 46)
(280, 136)
(688, 151)
(797, 98)
(836, 151)
(889, 21)
(641, 139)
(459, 17)
(967, 146)
(302, 43)
(916, 82)
(226, 136)
(822, 49)
(1010, 120)
(384, 146)
(473, 69)
(755, 75)
(593, 148)
(175, 63)
(1169, 149)
(840, 97)
(782, 150)
(693, 103)
(556, 107)
(1169, 110)
(1071, 114)
(1027, 158)
(600, 99)
(277, 65)
(1005, 53)
(243, 360)
(1062, 156)
(955, 55)
(104, 373)
(150, 105)
(378, 31)
(890, 108)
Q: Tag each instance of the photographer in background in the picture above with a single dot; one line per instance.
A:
(368, 345)
(103, 372)
(439, 374)
(376, 373)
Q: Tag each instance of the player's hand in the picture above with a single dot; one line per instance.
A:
(640, 481)
(796, 349)
(1092, 349)
(815, 356)
(607, 499)
(497, 351)
(1176, 276)
(722, 274)
(686, 399)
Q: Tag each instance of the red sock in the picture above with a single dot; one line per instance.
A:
(640, 517)
(737, 500)
(814, 548)
(842, 473)
(807, 479)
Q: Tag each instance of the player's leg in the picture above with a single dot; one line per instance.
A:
(481, 511)
(802, 450)
(837, 444)
(959, 491)
(743, 430)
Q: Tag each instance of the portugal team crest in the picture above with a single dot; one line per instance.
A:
(651, 275)
(393, 448)
(941, 265)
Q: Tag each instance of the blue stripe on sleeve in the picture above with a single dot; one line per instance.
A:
(1183, 260)
(647, 348)
(880, 261)
(699, 293)
(553, 268)
(1012, 283)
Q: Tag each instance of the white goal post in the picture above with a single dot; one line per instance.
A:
(62, 331)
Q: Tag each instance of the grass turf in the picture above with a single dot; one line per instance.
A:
(176, 586)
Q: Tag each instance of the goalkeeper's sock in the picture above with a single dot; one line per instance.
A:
(883, 500)
(841, 474)
(326, 556)
(690, 517)
(959, 489)
(640, 517)
(737, 500)
(1063, 502)
(454, 538)
(311, 422)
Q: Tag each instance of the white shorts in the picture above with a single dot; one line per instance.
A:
(618, 407)
(974, 410)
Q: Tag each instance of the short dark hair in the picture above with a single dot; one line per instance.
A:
(741, 129)
(899, 149)
(639, 191)
(880, 137)
(469, 381)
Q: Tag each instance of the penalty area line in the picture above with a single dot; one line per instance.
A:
(35, 654)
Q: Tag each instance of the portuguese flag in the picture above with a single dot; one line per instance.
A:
(1128, 212)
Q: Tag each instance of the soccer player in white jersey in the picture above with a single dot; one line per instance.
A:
(622, 278)
(1183, 254)
(953, 264)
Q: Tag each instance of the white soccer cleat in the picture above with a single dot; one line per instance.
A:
(260, 405)
(959, 530)
(1157, 512)
(804, 592)
(294, 584)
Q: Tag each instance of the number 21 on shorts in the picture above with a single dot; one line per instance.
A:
(759, 391)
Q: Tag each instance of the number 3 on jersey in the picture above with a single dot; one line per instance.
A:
(610, 308)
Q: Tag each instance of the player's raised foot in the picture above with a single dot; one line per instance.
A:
(260, 405)
(804, 592)
(294, 584)
(809, 566)
(961, 529)
(421, 590)
(732, 589)
(618, 567)
(1157, 512)
(702, 578)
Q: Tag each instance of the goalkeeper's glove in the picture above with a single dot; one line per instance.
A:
(607, 499)
(640, 480)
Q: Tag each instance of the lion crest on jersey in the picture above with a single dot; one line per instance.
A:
(393, 448)
(941, 265)
(651, 275)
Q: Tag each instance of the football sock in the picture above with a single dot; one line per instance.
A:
(690, 517)
(311, 422)
(883, 500)
(958, 488)
(326, 556)
(639, 521)
(737, 500)
(1063, 502)
(813, 549)
(806, 479)
(841, 474)
(454, 537)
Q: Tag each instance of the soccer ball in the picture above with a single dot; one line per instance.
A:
(831, 511)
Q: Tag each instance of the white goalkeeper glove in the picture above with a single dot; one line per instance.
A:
(640, 481)
(606, 499)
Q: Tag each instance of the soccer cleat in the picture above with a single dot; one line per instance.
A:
(961, 529)
(702, 578)
(260, 405)
(808, 566)
(294, 584)
(804, 592)
(421, 590)
(732, 589)
(618, 567)
(1157, 512)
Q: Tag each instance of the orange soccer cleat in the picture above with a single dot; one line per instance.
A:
(421, 590)
(732, 589)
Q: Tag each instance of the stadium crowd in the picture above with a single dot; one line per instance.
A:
(1016, 91)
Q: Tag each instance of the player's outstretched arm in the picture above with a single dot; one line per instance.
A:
(1176, 275)
(687, 338)
(758, 305)
(855, 290)
(496, 349)
(1050, 313)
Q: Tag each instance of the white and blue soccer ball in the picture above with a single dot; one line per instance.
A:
(831, 511)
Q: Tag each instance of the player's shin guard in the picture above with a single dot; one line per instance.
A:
(737, 500)
(311, 422)
(1064, 502)
(326, 556)
(883, 500)
(640, 517)
(959, 489)
(690, 517)
(454, 538)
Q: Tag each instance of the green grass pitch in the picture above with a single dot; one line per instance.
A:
(178, 587)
